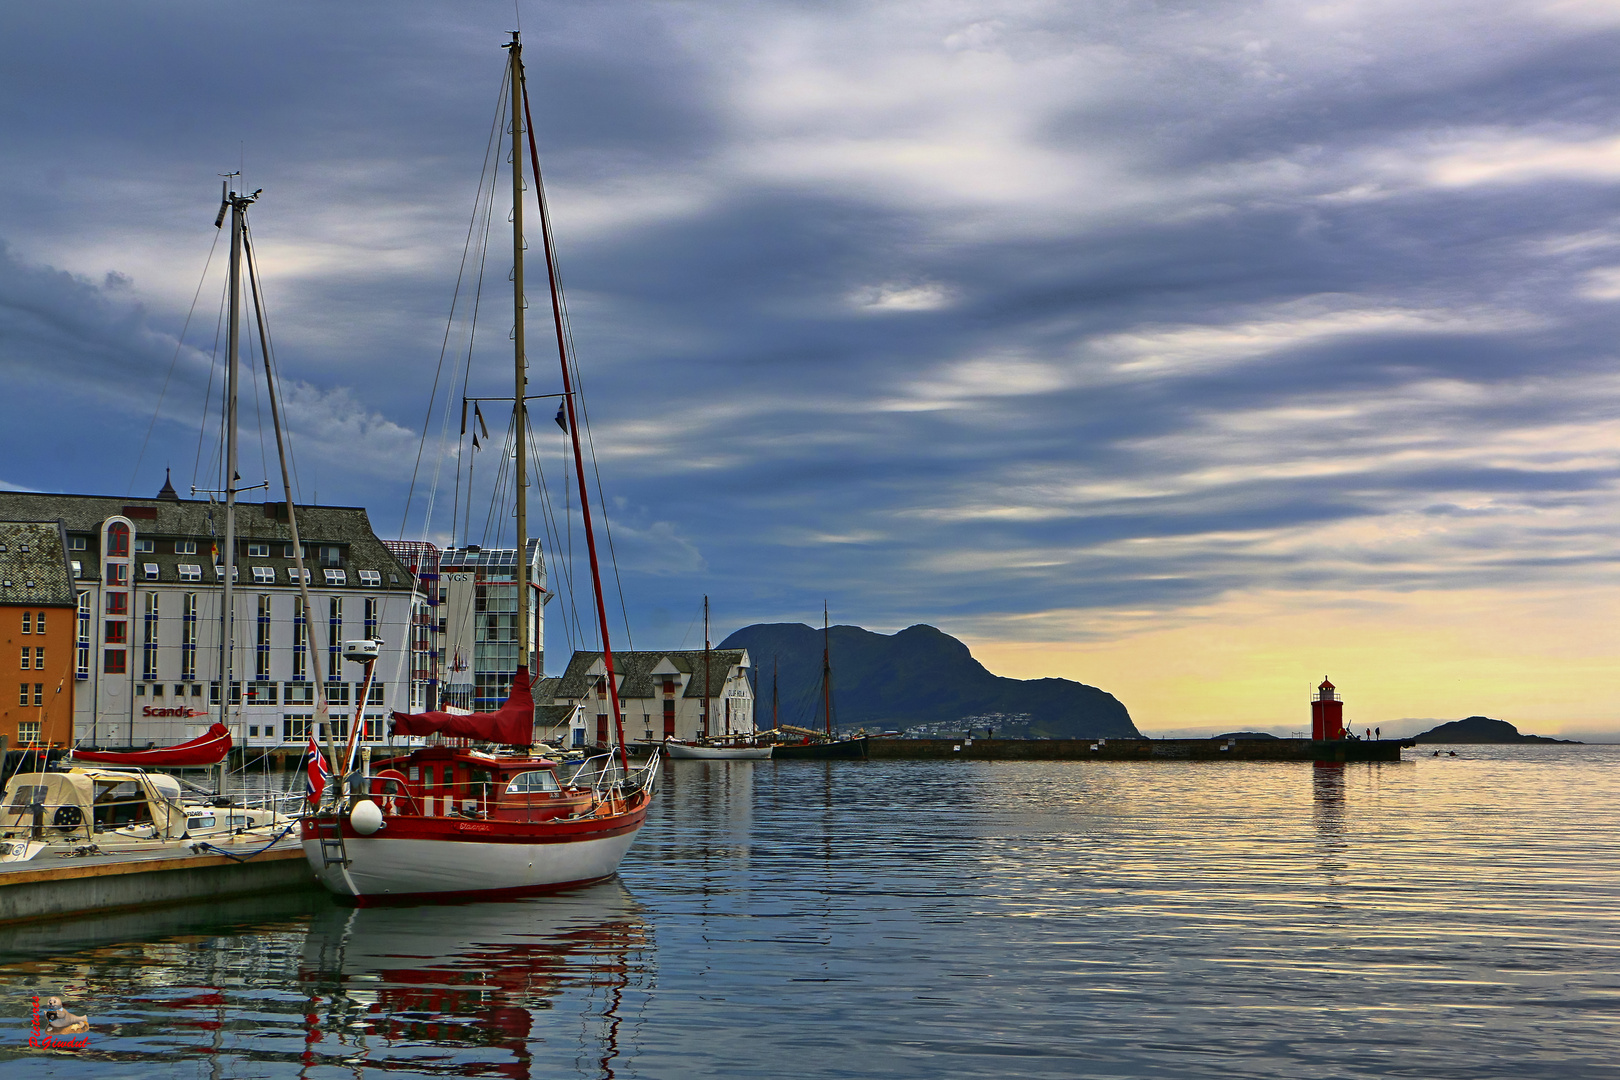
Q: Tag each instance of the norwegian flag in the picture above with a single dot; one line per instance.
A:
(318, 772)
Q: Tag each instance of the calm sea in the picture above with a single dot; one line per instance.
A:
(1441, 917)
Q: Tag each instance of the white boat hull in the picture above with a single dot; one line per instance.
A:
(380, 868)
(718, 753)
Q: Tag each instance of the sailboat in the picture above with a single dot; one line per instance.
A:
(713, 748)
(820, 744)
(452, 821)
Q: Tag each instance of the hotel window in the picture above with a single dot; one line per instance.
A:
(185, 547)
(118, 573)
(83, 668)
(27, 657)
(299, 693)
(337, 693)
(371, 618)
(219, 572)
(39, 623)
(264, 575)
(118, 540)
(39, 658)
(334, 640)
(151, 570)
(375, 696)
(118, 603)
(157, 689)
(292, 575)
(330, 555)
(190, 572)
(28, 732)
(144, 547)
(22, 693)
(300, 641)
(188, 636)
(112, 662)
(39, 693)
(28, 622)
(149, 637)
(295, 728)
(261, 693)
(261, 668)
(213, 693)
(78, 543)
(336, 577)
(258, 551)
(370, 578)
(117, 632)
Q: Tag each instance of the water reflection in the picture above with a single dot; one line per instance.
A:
(500, 990)
(405, 989)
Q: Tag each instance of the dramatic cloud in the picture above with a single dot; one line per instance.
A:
(1086, 332)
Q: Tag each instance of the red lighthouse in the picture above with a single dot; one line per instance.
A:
(1327, 713)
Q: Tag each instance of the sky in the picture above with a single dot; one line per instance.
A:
(1195, 351)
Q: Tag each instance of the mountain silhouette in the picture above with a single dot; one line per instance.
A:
(920, 675)
(1480, 729)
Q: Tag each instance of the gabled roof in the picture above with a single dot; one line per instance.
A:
(635, 671)
(34, 566)
(201, 519)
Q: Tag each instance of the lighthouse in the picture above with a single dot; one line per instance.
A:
(1327, 713)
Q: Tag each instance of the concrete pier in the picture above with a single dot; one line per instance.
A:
(1137, 749)
(41, 889)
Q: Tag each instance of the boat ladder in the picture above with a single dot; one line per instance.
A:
(330, 833)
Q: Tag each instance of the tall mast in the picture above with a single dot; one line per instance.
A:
(573, 425)
(520, 410)
(705, 666)
(826, 670)
(775, 670)
(239, 205)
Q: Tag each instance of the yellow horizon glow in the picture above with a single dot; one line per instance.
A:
(1541, 660)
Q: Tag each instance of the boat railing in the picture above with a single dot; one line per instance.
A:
(605, 776)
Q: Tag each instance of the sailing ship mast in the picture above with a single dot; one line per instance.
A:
(826, 671)
(705, 667)
(520, 363)
(520, 93)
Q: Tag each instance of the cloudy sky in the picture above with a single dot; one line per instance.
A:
(1192, 350)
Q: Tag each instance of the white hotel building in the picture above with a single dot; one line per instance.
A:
(148, 575)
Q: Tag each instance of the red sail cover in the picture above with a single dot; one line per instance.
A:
(206, 749)
(511, 725)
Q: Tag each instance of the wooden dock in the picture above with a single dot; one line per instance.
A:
(48, 887)
(1135, 749)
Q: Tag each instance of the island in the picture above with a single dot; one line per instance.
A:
(1481, 729)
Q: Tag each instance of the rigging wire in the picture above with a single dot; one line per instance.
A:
(548, 518)
(178, 345)
(444, 348)
(256, 286)
(570, 358)
(208, 396)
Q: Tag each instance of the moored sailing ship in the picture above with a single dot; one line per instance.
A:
(452, 821)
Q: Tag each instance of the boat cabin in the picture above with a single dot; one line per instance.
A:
(442, 781)
(78, 803)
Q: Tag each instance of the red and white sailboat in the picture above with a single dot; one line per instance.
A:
(448, 821)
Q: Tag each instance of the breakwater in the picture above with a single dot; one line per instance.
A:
(1136, 749)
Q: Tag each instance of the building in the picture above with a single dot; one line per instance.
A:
(662, 694)
(146, 650)
(478, 613)
(38, 606)
(427, 623)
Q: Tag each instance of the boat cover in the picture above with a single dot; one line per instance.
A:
(511, 725)
(208, 748)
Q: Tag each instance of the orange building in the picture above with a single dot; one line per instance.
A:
(38, 613)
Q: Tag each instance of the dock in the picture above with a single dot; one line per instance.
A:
(1334, 750)
(48, 887)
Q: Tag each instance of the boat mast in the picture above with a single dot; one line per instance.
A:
(826, 670)
(705, 667)
(238, 205)
(776, 668)
(573, 417)
(520, 411)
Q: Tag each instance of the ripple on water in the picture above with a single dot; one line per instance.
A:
(1450, 917)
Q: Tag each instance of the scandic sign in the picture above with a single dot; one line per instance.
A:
(176, 711)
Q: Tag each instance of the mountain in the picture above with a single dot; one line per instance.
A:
(1480, 729)
(917, 676)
